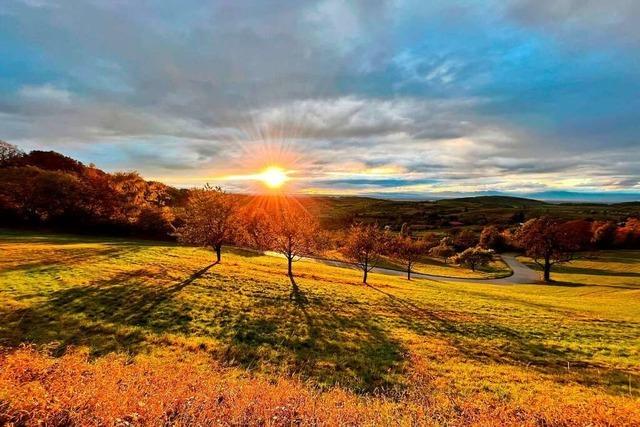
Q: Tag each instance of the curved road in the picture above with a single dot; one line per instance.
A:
(521, 273)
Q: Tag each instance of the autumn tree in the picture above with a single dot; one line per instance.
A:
(578, 232)
(492, 238)
(603, 234)
(254, 230)
(547, 242)
(465, 239)
(474, 257)
(292, 232)
(407, 250)
(209, 219)
(443, 250)
(365, 245)
(628, 235)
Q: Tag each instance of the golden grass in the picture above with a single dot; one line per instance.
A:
(192, 390)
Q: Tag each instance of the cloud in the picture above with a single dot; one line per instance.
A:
(582, 21)
(517, 95)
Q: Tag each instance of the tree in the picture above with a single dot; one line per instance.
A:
(209, 219)
(465, 239)
(408, 250)
(578, 232)
(254, 229)
(365, 245)
(547, 242)
(292, 232)
(444, 249)
(603, 234)
(474, 257)
(492, 238)
(628, 235)
(9, 153)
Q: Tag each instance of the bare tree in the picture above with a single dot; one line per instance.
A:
(210, 219)
(365, 245)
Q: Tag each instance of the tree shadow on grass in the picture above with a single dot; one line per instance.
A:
(303, 334)
(113, 314)
(483, 340)
(62, 259)
(590, 271)
(308, 337)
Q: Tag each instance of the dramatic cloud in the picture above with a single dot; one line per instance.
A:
(375, 97)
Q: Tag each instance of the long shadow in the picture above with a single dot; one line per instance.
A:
(106, 315)
(296, 295)
(568, 269)
(239, 322)
(511, 345)
(69, 257)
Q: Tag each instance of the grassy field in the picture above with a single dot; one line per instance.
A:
(434, 351)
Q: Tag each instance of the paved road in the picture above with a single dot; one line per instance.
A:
(521, 273)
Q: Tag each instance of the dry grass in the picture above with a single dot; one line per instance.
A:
(190, 389)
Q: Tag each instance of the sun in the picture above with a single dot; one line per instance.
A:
(273, 177)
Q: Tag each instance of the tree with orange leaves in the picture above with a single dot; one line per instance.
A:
(364, 246)
(407, 250)
(210, 219)
(548, 242)
(292, 232)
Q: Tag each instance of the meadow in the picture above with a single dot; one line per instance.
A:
(101, 329)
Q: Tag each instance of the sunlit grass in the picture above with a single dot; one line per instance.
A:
(474, 342)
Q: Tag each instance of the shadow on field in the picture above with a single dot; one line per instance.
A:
(94, 315)
(590, 271)
(61, 259)
(483, 340)
(311, 338)
(253, 325)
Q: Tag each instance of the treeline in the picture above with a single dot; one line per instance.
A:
(45, 188)
(214, 218)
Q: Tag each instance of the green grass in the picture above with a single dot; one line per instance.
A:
(146, 297)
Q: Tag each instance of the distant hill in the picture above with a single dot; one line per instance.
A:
(503, 201)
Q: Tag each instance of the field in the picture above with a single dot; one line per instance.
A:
(148, 332)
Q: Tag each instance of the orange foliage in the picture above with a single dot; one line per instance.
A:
(190, 389)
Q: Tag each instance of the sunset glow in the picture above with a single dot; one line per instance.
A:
(273, 177)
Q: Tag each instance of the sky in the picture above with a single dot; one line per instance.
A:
(403, 98)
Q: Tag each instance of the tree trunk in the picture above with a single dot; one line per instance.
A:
(366, 269)
(289, 266)
(547, 270)
(409, 272)
(218, 251)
